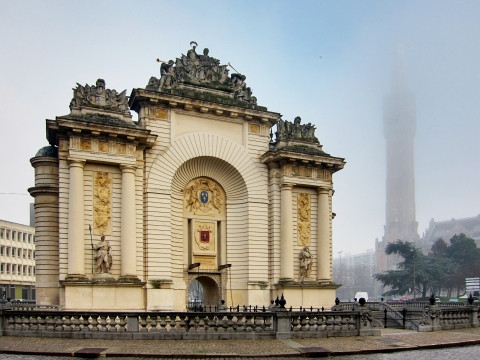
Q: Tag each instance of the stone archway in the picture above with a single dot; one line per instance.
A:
(208, 294)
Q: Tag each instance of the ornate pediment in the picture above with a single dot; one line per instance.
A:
(97, 96)
(192, 71)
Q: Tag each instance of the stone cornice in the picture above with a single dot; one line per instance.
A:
(141, 98)
(309, 284)
(281, 157)
(68, 126)
(43, 190)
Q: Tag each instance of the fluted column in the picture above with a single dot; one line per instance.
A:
(323, 235)
(128, 253)
(286, 232)
(76, 221)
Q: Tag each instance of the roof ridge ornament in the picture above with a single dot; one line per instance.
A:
(201, 70)
(98, 96)
(287, 130)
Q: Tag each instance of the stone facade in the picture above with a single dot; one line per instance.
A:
(196, 189)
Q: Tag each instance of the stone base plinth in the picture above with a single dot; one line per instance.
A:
(311, 294)
(103, 293)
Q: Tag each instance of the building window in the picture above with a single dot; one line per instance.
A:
(13, 252)
(8, 234)
(34, 239)
(7, 251)
(24, 237)
(2, 232)
(19, 253)
(2, 268)
(29, 271)
(14, 269)
(2, 250)
(14, 235)
(19, 268)
(24, 253)
(29, 238)
(8, 268)
(34, 254)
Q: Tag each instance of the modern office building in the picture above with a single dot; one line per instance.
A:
(17, 261)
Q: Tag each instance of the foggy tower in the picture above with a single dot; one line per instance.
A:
(399, 125)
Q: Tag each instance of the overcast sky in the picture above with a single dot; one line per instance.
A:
(326, 61)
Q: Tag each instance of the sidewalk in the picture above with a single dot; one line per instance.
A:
(390, 340)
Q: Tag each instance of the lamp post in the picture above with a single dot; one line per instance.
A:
(340, 271)
(414, 279)
(228, 266)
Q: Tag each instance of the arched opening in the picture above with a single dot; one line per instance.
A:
(203, 290)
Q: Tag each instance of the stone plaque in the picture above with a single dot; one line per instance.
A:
(103, 146)
(206, 262)
(161, 114)
(121, 149)
(254, 128)
(85, 145)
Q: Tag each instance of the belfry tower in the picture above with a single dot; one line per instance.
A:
(399, 124)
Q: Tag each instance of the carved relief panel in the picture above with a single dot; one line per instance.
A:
(102, 203)
(303, 219)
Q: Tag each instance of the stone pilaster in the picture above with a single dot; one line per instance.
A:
(323, 235)
(76, 222)
(286, 233)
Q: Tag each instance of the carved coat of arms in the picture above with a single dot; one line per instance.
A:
(203, 197)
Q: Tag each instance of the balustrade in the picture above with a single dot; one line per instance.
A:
(183, 325)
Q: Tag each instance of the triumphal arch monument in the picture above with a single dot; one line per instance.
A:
(208, 187)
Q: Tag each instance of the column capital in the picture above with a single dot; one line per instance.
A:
(287, 186)
(76, 162)
(323, 190)
(128, 167)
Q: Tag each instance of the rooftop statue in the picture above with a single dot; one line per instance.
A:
(287, 130)
(99, 97)
(204, 71)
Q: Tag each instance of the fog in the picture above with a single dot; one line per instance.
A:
(329, 62)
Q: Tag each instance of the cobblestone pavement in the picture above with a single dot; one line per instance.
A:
(391, 340)
(464, 352)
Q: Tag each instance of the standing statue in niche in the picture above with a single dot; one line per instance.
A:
(305, 263)
(103, 257)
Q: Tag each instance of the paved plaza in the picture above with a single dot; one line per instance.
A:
(391, 340)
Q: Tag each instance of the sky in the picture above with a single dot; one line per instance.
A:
(328, 62)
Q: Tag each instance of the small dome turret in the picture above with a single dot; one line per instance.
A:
(47, 151)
